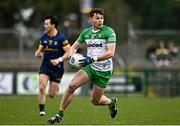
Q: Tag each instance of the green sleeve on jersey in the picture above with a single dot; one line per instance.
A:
(111, 36)
(81, 37)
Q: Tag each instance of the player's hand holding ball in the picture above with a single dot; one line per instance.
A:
(75, 60)
(78, 60)
(88, 60)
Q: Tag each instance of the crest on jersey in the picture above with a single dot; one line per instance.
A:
(50, 42)
(93, 36)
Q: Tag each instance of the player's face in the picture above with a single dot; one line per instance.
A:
(48, 26)
(97, 21)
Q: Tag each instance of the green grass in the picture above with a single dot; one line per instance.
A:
(19, 110)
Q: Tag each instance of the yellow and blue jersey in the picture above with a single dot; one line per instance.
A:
(52, 49)
(53, 46)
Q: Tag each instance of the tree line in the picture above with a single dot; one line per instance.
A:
(145, 14)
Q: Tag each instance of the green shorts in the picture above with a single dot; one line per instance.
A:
(100, 78)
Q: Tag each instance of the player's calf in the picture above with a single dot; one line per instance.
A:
(94, 101)
(51, 95)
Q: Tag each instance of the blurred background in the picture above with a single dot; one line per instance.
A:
(147, 54)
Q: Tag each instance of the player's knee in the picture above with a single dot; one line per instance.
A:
(94, 101)
(71, 88)
(52, 95)
(42, 89)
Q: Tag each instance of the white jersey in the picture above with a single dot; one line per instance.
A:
(97, 44)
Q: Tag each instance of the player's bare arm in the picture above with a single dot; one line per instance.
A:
(74, 48)
(62, 58)
(109, 53)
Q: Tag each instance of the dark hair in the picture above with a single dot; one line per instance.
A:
(53, 20)
(96, 10)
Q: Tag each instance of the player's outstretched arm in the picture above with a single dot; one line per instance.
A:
(74, 48)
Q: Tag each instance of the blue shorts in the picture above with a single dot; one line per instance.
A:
(55, 73)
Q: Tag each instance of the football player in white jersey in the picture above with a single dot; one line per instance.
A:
(97, 66)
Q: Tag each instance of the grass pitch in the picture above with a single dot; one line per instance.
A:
(23, 110)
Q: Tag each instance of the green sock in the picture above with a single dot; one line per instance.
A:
(61, 113)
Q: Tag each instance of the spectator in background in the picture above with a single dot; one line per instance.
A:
(66, 29)
(67, 33)
(163, 54)
(151, 51)
(89, 23)
(174, 50)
